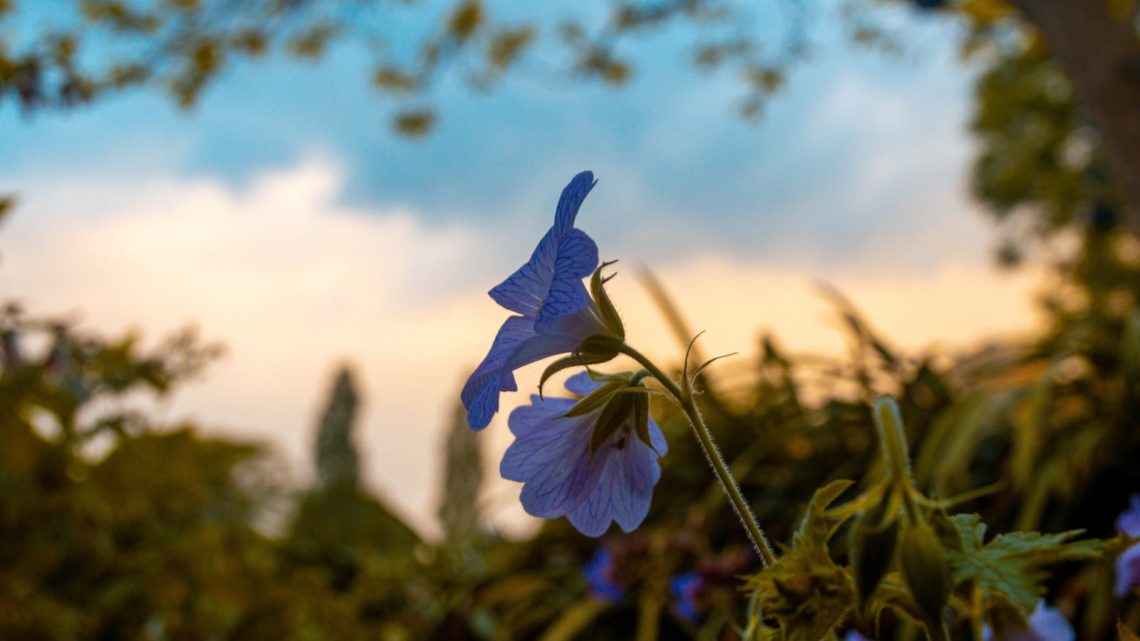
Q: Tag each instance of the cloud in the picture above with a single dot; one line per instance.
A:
(294, 283)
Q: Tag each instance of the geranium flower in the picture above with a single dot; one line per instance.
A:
(565, 473)
(1127, 570)
(686, 589)
(554, 311)
(1128, 563)
(600, 574)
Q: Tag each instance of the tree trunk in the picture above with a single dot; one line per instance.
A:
(1101, 57)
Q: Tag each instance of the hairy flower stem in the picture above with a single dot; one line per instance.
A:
(712, 453)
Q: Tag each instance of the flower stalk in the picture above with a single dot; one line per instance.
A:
(704, 436)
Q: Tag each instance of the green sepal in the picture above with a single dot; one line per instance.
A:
(641, 418)
(925, 570)
(599, 348)
(613, 417)
(609, 313)
(873, 539)
(596, 398)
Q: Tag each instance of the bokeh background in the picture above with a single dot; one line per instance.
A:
(344, 193)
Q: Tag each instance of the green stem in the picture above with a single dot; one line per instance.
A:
(712, 453)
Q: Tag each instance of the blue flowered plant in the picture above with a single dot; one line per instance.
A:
(594, 459)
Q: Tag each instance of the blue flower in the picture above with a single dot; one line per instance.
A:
(600, 574)
(1045, 624)
(1128, 563)
(853, 635)
(686, 589)
(554, 312)
(563, 475)
(1129, 520)
(1127, 570)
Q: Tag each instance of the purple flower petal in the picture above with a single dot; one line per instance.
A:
(1048, 624)
(581, 384)
(571, 199)
(567, 480)
(480, 394)
(577, 257)
(1045, 624)
(541, 439)
(1129, 520)
(1127, 571)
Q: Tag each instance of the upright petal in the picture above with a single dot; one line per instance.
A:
(563, 256)
(576, 259)
(571, 199)
(525, 290)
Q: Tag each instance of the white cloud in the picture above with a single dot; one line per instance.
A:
(294, 283)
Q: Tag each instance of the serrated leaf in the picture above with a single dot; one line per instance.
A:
(804, 591)
(818, 524)
(1010, 566)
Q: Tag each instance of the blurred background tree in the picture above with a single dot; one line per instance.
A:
(118, 527)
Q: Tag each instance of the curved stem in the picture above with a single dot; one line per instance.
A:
(712, 453)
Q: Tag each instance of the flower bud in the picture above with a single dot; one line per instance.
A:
(874, 537)
(605, 306)
(925, 570)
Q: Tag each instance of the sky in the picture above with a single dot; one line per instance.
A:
(284, 218)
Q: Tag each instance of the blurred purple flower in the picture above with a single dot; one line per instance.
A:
(686, 589)
(1129, 520)
(1127, 570)
(853, 635)
(554, 310)
(1128, 563)
(561, 476)
(1045, 624)
(600, 574)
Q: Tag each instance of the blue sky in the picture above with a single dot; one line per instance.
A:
(284, 217)
(669, 143)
